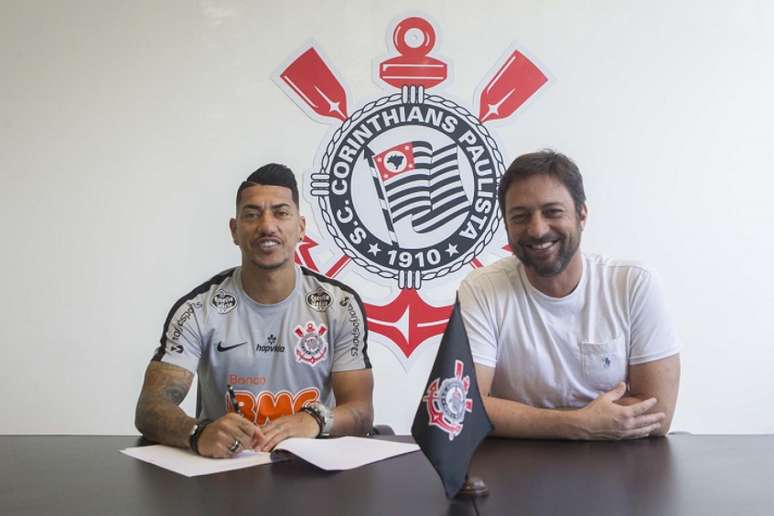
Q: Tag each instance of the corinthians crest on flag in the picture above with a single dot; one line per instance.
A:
(451, 421)
(404, 187)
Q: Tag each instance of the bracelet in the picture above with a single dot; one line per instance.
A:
(194, 439)
(317, 417)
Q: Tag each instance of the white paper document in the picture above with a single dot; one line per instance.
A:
(186, 462)
(344, 452)
(328, 454)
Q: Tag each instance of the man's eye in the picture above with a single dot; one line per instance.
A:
(553, 213)
(282, 213)
(250, 215)
(519, 219)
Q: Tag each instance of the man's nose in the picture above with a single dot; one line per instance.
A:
(537, 226)
(267, 223)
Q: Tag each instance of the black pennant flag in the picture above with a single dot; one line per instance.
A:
(451, 421)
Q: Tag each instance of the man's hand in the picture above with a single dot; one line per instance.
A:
(353, 414)
(218, 438)
(604, 418)
(300, 424)
(627, 401)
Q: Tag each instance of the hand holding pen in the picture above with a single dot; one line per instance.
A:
(227, 435)
(264, 438)
(233, 399)
(257, 437)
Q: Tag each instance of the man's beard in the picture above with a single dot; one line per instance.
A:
(270, 266)
(568, 246)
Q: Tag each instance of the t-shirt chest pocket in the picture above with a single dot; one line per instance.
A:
(604, 363)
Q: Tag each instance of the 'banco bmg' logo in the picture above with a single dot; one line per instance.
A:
(406, 185)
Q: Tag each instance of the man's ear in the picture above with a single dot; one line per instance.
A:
(302, 228)
(232, 225)
(583, 215)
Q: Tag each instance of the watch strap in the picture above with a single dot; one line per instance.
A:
(193, 440)
(317, 417)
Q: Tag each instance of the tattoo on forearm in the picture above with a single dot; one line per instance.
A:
(158, 415)
(175, 393)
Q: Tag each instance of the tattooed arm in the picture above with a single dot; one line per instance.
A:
(158, 416)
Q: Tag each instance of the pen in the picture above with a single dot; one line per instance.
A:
(232, 397)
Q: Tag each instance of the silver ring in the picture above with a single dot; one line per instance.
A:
(235, 446)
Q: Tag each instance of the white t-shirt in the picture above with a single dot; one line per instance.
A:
(563, 352)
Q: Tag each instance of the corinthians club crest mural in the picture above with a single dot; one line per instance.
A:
(404, 188)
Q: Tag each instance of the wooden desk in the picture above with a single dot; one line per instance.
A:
(680, 475)
(86, 475)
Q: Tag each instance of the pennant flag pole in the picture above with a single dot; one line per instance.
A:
(451, 422)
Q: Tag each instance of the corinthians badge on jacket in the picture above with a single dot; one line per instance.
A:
(406, 185)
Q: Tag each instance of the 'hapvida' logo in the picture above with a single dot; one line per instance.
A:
(406, 186)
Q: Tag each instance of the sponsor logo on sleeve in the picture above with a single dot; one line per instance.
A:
(354, 320)
(223, 302)
(175, 348)
(177, 325)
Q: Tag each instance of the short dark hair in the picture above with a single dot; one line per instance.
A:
(273, 174)
(545, 162)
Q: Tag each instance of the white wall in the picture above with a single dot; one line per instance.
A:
(126, 126)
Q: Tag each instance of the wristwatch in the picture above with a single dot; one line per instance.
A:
(323, 415)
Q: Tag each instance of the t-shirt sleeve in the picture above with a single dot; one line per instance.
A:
(479, 323)
(181, 339)
(350, 349)
(653, 334)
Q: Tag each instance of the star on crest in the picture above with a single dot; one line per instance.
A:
(373, 249)
(452, 250)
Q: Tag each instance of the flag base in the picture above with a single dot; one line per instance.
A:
(473, 488)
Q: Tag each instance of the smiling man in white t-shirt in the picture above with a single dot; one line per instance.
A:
(567, 345)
